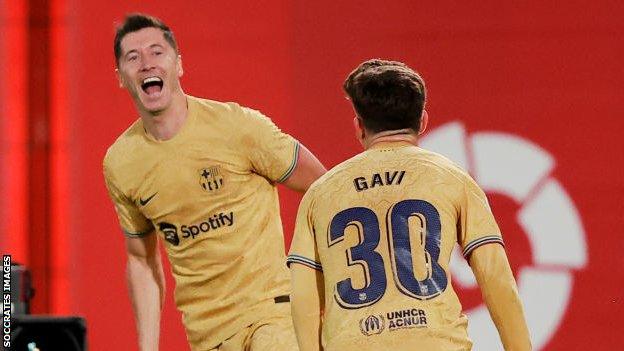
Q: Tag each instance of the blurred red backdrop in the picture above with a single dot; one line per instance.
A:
(548, 74)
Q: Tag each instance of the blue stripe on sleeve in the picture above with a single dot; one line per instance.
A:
(480, 242)
(293, 164)
(304, 261)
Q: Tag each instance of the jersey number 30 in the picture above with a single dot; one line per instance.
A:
(400, 248)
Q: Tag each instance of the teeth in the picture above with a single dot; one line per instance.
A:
(151, 79)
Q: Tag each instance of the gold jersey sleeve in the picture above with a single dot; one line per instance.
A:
(270, 151)
(477, 224)
(303, 246)
(132, 221)
(381, 227)
(209, 193)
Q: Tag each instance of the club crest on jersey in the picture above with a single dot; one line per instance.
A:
(372, 325)
(211, 179)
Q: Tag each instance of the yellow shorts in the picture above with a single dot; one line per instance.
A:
(275, 333)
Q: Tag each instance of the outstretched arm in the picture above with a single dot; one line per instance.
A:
(498, 288)
(146, 285)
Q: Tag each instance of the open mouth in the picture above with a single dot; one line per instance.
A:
(152, 85)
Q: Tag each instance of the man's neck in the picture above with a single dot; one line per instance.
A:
(402, 135)
(166, 124)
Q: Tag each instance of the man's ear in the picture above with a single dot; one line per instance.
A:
(358, 127)
(119, 78)
(424, 119)
(180, 68)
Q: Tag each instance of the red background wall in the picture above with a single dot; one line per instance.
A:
(13, 124)
(551, 74)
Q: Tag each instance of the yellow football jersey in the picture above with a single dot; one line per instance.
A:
(381, 227)
(209, 193)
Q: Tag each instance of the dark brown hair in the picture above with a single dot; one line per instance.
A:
(387, 95)
(137, 21)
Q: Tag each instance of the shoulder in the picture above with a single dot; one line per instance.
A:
(451, 173)
(124, 147)
(337, 173)
(434, 164)
(213, 106)
(231, 111)
(443, 166)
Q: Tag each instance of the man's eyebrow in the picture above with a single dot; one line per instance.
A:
(130, 52)
(155, 45)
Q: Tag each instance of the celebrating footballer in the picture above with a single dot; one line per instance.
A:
(201, 175)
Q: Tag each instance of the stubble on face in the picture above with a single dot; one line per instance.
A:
(150, 70)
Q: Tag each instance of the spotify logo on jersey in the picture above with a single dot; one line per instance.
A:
(541, 217)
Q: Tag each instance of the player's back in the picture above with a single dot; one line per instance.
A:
(385, 223)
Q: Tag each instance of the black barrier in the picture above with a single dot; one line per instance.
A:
(32, 332)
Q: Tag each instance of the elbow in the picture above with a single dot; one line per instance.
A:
(142, 266)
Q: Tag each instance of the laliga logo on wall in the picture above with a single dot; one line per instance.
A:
(509, 165)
